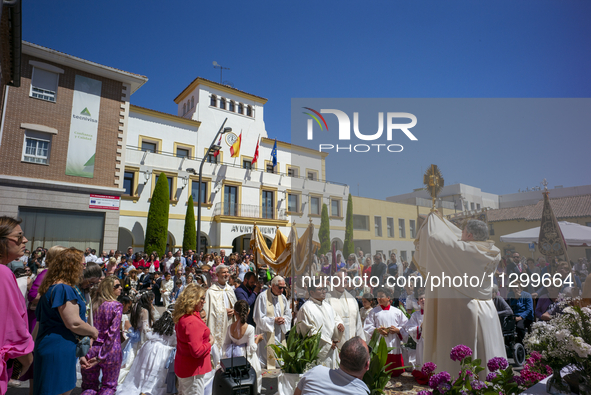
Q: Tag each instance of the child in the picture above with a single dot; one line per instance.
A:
(369, 302)
(414, 329)
(148, 373)
(166, 287)
(387, 321)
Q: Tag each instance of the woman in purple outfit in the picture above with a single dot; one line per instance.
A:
(107, 348)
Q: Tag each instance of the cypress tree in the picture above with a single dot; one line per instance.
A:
(157, 227)
(349, 247)
(190, 233)
(324, 232)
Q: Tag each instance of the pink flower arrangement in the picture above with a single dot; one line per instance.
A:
(460, 352)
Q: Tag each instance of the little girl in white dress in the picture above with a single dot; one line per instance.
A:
(240, 340)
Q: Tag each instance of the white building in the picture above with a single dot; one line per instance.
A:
(235, 193)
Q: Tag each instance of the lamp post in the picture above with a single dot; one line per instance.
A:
(212, 147)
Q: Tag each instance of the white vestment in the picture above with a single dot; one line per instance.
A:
(414, 329)
(380, 318)
(267, 324)
(217, 299)
(345, 305)
(462, 314)
(315, 315)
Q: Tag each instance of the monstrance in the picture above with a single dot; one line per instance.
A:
(433, 182)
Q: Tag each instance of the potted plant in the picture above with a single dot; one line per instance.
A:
(296, 357)
(376, 377)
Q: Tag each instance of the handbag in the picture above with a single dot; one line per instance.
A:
(83, 346)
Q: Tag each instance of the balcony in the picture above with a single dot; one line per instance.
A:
(248, 211)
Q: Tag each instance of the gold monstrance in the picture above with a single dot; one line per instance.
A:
(433, 182)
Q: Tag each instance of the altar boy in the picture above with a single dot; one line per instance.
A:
(387, 320)
(414, 329)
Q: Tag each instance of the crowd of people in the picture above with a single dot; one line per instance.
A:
(71, 311)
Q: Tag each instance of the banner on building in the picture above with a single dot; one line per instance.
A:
(86, 105)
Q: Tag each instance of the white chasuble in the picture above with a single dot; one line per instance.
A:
(216, 299)
(345, 305)
(266, 322)
(314, 316)
(461, 313)
(379, 317)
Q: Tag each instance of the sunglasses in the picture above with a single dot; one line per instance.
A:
(117, 286)
(281, 287)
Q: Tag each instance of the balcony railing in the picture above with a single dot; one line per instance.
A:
(248, 211)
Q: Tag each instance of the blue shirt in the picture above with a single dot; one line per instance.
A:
(523, 307)
(321, 380)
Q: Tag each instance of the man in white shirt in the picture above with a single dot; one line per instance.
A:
(345, 305)
(346, 380)
(272, 315)
(318, 315)
(219, 306)
(168, 262)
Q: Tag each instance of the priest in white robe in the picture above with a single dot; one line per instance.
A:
(317, 314)
(346, 306)
(219, 306)
(272, 316)
(462, 314)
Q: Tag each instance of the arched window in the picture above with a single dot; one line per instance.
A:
(231, 107)
(249, 111)
(192, 101)
(214, 101)
(188, 105)
(223, 103)
(184, 109)
(240, 108)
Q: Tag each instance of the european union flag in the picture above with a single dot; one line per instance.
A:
(274, 154)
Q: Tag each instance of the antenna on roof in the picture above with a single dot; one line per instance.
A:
(222, 68)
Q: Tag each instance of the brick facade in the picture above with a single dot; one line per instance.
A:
(21, 108)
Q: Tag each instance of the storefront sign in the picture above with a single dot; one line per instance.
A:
(104, 202)
(86, 105)
(266, 230)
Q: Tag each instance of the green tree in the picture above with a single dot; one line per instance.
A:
(324, 232)
(349, 247)
(190, 233)
(157, 227)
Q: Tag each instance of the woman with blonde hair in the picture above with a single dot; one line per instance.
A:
(61, 314)
(107, 312)
(194, 340)
(15, 339)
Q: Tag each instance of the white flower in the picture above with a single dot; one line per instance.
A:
(562, 334)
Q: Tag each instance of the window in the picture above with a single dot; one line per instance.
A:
(184, 109)
(315, 205)
(44, 84)
(195, 188)
(240, 108)
(247, 164)
(292, 171)
(192, 101)
(390, 225)
(37, 147)
(231, 106)
(170, 187)
(401, 229)
(249, 111)
(312, 175)
(465, 206)
(148, 146)
(477, 206)
(182, 152)
(270, 168)
(213, 101)
(378, 226)
(588, 223)
(412, 226)
(223, 103)
(335, 207)
(211, 158)
(129, 183)
(292, 203)
(360, 222)
(472, 206)
(268, 204)
(491, 230)
(403, 256)
(230, 200)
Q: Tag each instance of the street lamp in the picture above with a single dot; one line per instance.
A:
(212, 148)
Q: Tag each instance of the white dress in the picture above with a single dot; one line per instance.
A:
(148, 371)
(245, 346)
(143, 330)
(413, 329)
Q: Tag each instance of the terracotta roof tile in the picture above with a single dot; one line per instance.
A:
(566, 207)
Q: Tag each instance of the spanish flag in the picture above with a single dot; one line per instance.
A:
(235, 148)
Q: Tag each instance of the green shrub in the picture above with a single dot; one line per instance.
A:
(190, 233)
(157, 226)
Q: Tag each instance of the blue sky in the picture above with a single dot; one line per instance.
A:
(356, 49)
